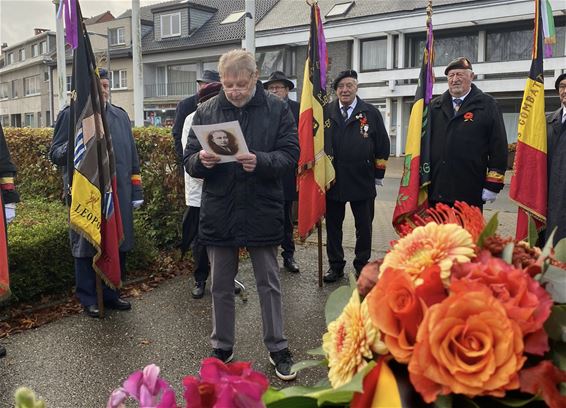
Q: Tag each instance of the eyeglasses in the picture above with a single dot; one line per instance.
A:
(234, 89)
(458, 75)
(348, 85)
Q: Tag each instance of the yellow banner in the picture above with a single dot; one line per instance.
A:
(387, 392)
(413, 145)
(532, 119)
(85, 211)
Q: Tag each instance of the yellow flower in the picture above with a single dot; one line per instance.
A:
(432, 244)
(350, 340)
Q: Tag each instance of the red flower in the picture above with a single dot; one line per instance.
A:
(542, 379)
(525, 301)
(225, 385)
(468, 116)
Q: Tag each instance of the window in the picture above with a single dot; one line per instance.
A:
(5, 120)
(47, 118)
(35, 50)
(10, 58)
(31, 85)
(15, 88)
(4, 90)
(232, 18)
(181, 79)
(46, 75)
(276, 60)
(170, 25)
(445, 48)
(118, 79)
(22, 54)
(28, 119)
(68, 83)
(117, 36)
(509, 46)
(339, 9)
(43, 47)
(374, 54)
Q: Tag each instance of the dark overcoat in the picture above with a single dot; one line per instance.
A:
(7, 171)
(359, 157)
(468, 150)
(127, 164)
(556, 213)
(240, 208)
(184, 109)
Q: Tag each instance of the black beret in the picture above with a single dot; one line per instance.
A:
(349, 73)
(560, 78)
(103, 73)
(458, 63)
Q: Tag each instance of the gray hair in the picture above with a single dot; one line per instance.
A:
(237, 61)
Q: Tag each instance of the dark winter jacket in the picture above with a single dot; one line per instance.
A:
(468, 150)
(359, 156)
(245, 208)
(290, 179)
(127, 164)
(556, 213)
(184, 109)
(7, 173)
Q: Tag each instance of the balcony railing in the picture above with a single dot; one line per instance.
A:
(170, 89)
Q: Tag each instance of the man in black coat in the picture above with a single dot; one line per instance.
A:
(8, 194)
(468, 141)
(358, 144)
(242, 202)
(556, 157)
(279, 85)
(188, 106)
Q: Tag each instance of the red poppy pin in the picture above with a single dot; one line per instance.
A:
(468, 117)
(364, 127)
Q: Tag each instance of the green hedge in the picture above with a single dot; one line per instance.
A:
(39, 254)
(161, 176)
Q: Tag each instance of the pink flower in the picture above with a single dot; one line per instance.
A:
(225, 385)
(148, 389)
(117, 398)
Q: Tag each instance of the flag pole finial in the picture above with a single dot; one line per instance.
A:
(311, 2)
(429, 9)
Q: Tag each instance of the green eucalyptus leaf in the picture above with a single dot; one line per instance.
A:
(555, 325)
(515, 402)
(316, 352)
(489, 230)
(294, 402)
(560, 250)
(533, 233)
(554, 280)
(558, 353)
(301, 390)
(301, 365)
(443, 401)
(547, 247)
(508, 253)
(336, 303)
(272, 395)
(323, 383)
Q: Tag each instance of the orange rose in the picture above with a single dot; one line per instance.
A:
(396, 311)
(467, 345)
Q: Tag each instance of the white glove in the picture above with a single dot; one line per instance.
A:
(137, 204)
(378, 183)
(488, 196)
(10, 211)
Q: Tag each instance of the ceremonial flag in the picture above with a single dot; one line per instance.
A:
(94, 210)
(548, 28)
(4, 277)
(413, 189)
(315, 170)
(529, 182)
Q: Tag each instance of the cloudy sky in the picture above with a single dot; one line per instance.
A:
(18, 18)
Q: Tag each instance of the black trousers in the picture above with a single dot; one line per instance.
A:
(287, 244)
(85, 281)
(363, 218)
(200, 256)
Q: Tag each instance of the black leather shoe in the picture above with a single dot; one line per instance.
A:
(92, 311)
(119, 304)
(198, 290)
(237, 290)
(2, 351)
(332, 276)
(291, 265)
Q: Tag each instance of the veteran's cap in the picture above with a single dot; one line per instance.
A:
(349, 73)
(458, 63)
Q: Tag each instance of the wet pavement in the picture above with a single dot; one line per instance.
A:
(77, 361)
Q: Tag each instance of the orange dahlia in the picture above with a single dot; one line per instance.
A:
(350, 340)
(429, 245)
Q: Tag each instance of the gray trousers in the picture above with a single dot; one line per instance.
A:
(224, 268)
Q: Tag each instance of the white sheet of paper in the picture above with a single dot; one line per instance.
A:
(225, 139)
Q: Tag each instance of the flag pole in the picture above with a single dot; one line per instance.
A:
(319, 228)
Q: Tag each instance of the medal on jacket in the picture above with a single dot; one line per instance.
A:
(364, 127)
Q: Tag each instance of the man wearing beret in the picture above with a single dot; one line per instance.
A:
(188, 106)
(358, 144)
(556, 160)
(279, 85)
(130, 197)
(468, 141)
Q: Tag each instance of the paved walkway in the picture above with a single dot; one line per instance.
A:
(77, 361)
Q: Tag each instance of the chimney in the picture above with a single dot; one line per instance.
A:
(4, 45)
(37, 31)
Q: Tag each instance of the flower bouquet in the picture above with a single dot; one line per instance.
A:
(453, 316)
